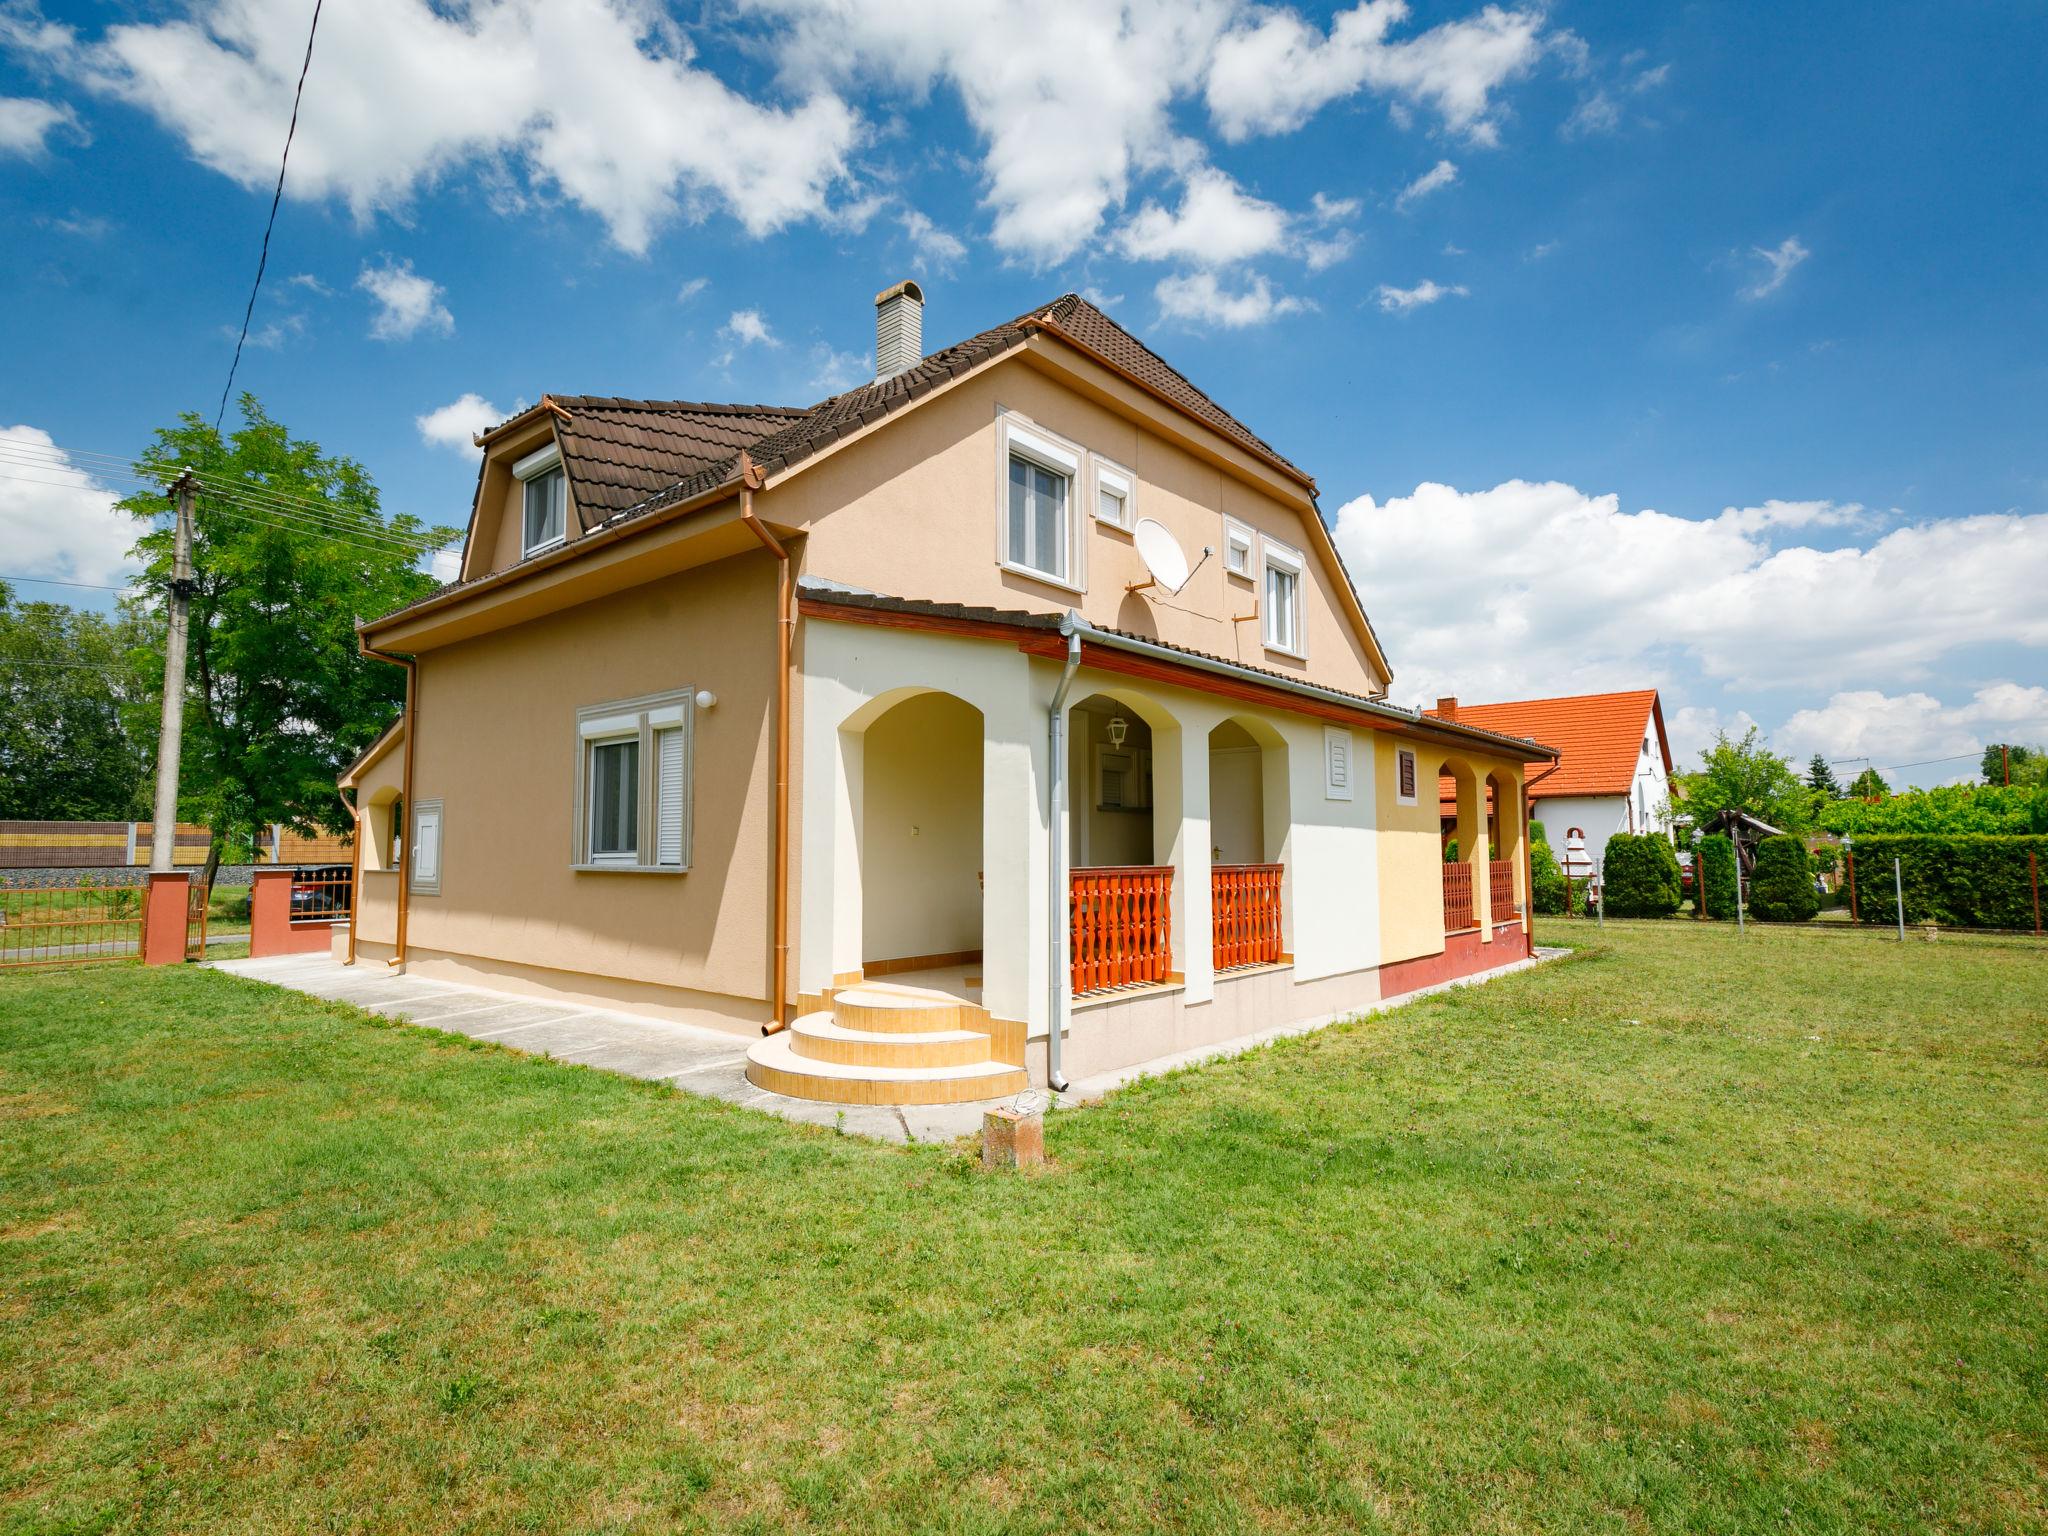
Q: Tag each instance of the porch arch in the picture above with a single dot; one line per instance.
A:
(1250, 816)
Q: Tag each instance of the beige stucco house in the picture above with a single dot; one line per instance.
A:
(867, 730)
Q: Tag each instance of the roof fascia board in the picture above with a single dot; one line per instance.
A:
(371, 755)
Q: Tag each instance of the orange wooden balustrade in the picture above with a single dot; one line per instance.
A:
(1122, 925)
(1245, 901)
(1500, 874)
(1458, 913)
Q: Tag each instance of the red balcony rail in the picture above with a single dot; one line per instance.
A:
(1500, 875)
(1122, 925)
(1458, 913)
(1245, 902)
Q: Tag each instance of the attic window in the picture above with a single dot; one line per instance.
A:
(545, 518)
(1237, 549)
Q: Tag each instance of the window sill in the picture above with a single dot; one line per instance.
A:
(630, 869)
(542, 548)
(1243, 576)
(1108, 527)
(1281, 650)
(1032, 574)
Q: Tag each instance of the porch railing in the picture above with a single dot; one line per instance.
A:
(1500, 874)
(1245, 902)
(1458, 912)
(1122, 925)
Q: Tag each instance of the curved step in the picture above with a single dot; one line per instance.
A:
(882, 1009)
(820, 1037)
(773, 1064)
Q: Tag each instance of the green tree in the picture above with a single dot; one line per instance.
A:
(279, 698)
(1947, 809)
(1781, 888)
(1639, 876)
(1717, 873)
(1747, 776)
(1820, 778)
(1870, 785)
(1545, 874)
(1996, 762)
(66, 753)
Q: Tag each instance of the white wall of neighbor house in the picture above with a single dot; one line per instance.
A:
(1599, 817)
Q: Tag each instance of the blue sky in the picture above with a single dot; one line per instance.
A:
(1692, 345)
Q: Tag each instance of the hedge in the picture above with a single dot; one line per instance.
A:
(1639, 876)
(1781, 886)
(1546, 875)
(1963, 882)
(1717, 854)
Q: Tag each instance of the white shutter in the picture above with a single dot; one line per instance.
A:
(669, 789)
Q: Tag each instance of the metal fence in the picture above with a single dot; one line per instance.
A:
(69, 925)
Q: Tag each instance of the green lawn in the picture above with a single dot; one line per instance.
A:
(1684, 1233)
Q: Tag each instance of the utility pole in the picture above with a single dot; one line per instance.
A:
(163, 834)
(2005, 762)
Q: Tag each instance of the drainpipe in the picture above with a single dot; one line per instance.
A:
(355, 869)
(412, 678)
(1055, 839)
(751, 480)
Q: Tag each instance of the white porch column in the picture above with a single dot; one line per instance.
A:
(1014, 900)
(1180, 831)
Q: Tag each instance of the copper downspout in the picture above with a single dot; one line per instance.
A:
(751, 480)
(412, 674)
(355, 869)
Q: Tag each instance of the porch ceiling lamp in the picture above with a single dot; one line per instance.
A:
(1119, 728)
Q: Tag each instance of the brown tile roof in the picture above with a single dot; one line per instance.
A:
(1599, 736)
(628, 458)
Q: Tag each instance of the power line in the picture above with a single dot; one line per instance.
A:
(263, 258)
(51, 581)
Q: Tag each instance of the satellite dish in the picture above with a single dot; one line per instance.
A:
(1161, 553)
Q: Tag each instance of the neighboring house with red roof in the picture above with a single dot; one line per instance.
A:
(1613, 773)
(1008, 717)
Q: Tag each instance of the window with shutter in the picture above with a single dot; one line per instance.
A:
(633, 783)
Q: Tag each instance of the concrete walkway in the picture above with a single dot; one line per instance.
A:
(700, 1061)
(706, 1061)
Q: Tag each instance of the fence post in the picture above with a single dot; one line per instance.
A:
(166, 910)
(1853, 915)
(2034, 880)
(1899, 893)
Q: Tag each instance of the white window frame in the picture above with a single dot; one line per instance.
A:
(1113, 479)
(641, 721)
(1287, 559)
(1340, 763)
(1018, 438)
(1237, 536)
(427, 882)
(543, 461)
(1414, 777)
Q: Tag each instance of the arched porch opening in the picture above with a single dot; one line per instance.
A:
(1125, 822)
(1248, 822)
(1461, 795)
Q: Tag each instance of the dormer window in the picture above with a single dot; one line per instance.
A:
(546, 496)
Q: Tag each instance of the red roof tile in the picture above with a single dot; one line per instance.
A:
(1600, 737)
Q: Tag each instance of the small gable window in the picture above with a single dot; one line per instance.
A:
(1114, 498)
(1283, 598)
(545, 518)
(1237, 549)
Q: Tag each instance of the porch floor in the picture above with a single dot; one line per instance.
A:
(705, 1062)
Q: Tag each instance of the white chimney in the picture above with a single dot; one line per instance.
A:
(899, 330)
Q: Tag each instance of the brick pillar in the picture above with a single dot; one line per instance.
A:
(270, 912)
(166, 911)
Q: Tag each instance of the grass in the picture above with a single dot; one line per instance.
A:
(1685, 1233)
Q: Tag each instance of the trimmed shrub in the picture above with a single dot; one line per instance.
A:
(1781, 886)
(1548, 878)
(1717, 854)
(1962, 882)
(1640, 876)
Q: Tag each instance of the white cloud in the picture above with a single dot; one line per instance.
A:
(749, 328)
(1333, 210)
(1274, 71)
(1198, 298)
(1531, 589)
(1399, 301)
(56, 520)
(599, 102)
(456, 424)
(311, 284)
(406, 302)
(445, 564)
(1101, 299)
(1216, 225)
(1437, 177)
(26, 124)
(691, 288)
(834, 372)
(1916, 729)
(1597, 112)
(1779, 262)
(935, 249)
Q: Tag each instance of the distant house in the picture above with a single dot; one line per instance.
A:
(1613, 773)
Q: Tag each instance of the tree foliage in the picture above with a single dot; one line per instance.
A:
(1820, 778)
(2025, 764)
(279, 698)
(1747, 776)
(1639, 876)
(1948, 809)
(1870, 785)
(1781, 887)
(1545, 874)
(66, 753)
